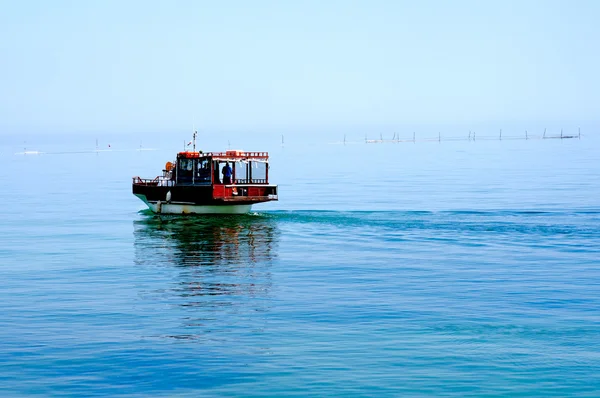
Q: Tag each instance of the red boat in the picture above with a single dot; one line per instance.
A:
(209, 183)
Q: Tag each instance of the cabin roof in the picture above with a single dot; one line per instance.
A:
(228, 155)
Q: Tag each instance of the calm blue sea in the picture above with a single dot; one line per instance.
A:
(453, 268)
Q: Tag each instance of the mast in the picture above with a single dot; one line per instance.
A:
(195, 160)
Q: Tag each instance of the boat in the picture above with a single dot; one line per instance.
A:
(197, 182)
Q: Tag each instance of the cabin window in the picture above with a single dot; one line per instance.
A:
(244, 171)
(184, 170)
(193, 171)
(218, 176)
(203, 171)
(186, 165)
(258, 172)
(240, 172)
(216, 172)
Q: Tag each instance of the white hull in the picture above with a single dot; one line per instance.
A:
(185, 208)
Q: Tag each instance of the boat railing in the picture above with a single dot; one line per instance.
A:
(250, 181)
(164, 182)
(158, 181)
(238, 155)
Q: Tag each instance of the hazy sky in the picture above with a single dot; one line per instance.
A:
(251, 65)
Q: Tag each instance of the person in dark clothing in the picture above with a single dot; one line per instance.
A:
(227, 173)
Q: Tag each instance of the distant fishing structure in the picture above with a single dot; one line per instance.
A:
(97, 150)
(141, 148)
(470, 137)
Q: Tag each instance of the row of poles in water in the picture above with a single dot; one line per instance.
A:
(471, 137)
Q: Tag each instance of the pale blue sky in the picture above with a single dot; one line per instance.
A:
(277, 65)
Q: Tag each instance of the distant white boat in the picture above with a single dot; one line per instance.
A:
(29, 153)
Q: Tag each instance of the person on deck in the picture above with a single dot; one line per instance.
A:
(227, 173)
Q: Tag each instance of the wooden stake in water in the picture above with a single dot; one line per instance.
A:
(526, 135)
(544, 136)
(414, 137)
(500, 134)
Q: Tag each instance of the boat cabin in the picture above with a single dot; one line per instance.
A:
(198, 168)
(247, 177)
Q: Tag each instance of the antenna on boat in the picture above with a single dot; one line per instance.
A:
(194, 134)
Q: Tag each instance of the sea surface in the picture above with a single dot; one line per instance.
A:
(452, 268)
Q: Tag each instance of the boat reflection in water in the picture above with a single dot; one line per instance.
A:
(212, 271)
